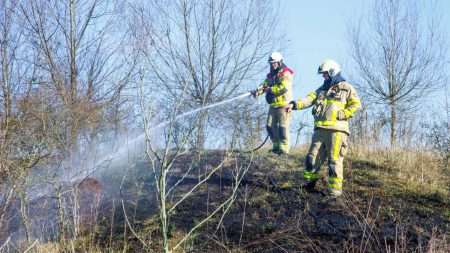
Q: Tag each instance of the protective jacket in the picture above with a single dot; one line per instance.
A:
(333, 104)
(280, 83)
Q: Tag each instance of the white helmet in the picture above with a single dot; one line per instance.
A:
(329, 66)
(275, 57)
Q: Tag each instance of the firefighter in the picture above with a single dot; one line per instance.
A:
(333, 104)
(277, 88)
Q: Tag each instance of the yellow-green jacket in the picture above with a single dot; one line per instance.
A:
(333, 106)
(280, 84)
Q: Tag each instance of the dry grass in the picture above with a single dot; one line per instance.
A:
(71, 246)
(417, 170)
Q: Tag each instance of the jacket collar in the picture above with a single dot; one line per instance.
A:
(332, 81)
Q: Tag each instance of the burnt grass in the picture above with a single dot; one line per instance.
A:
(272, 213)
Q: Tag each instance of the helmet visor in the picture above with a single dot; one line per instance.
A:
(271, 60)
(320, 70)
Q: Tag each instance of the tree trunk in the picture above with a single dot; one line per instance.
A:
(393, 124)
(200, 137)
(61, 214)
(24, 215)
(163, 210)
(73, 53)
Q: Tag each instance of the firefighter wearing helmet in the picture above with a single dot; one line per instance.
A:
(277, 88)
(333, 104)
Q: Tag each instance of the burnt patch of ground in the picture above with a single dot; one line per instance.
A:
(374, 215)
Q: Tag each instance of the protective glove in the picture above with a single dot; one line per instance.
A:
(341, 115)
(291, 106)
(267, 89)
(253, 93)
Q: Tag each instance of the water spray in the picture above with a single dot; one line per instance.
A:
(79, 176)
(140, 138)
(201, 109)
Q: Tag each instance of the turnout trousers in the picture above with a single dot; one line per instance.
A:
(328, 145)
(278, 129)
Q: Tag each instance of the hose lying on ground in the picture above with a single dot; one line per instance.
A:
(252, 150)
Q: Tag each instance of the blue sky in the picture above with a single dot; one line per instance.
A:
(316, 30)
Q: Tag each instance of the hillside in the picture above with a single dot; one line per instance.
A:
(385, 208)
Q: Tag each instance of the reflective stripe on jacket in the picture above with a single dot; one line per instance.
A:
(332, 107)
(280, 85)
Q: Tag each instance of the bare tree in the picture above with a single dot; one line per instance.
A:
(203, 51)
(399, 56)
(194, 54)
(80, 67)
(63, 68)
(22, 142)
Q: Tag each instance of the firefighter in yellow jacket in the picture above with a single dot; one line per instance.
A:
(278, 90)
(334, 103)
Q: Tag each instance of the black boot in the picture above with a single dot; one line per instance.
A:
(309, 185)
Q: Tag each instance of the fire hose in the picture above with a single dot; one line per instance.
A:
(258, 147)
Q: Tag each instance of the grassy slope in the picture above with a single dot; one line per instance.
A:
(386, 207)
